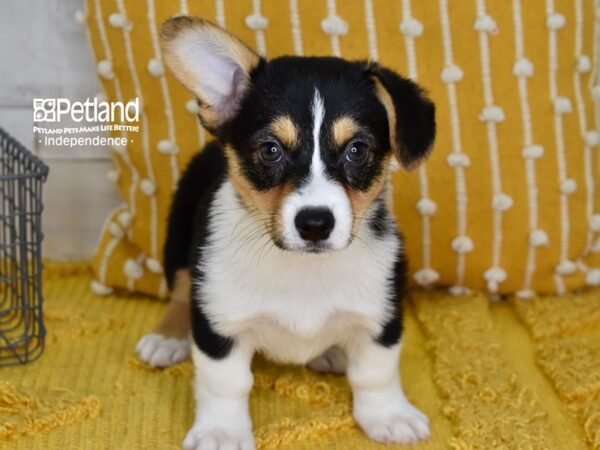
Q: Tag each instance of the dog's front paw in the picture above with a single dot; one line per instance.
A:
(159, 351)
(402, 424)
(202, 438)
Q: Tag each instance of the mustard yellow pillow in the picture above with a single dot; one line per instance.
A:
(507, 203)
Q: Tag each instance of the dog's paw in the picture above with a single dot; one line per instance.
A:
(159, 351)
(402, 425)
(200, 438)
(332, 361)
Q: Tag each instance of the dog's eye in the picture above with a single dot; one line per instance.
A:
(357, 152)
(270, 153)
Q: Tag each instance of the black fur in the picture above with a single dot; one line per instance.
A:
(187, 233)
(392, 329)
(203, 175)
(380, 221)
(415, 116)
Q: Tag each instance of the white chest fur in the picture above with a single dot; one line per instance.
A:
(291, 306)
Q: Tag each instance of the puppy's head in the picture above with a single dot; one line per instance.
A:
(308, 139)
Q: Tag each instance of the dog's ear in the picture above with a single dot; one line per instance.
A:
(211, 62)
(411, 115)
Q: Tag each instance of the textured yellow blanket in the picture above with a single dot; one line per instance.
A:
(515, 374)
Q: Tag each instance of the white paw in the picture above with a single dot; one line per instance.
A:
(404, 424)
(159, 351)
(333, 360)
(201, 438)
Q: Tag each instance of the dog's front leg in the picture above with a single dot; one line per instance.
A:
(221, 388)
(379, 404)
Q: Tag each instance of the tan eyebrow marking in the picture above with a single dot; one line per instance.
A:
(285, 130)
(344, 129)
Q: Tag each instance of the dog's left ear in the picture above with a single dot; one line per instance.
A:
(212, 63)
(411, 115)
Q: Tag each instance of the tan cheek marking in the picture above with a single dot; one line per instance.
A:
(286, 131)
(237, 178)
(268, 202)
(360, 200)
(386, 100)
(344, 129)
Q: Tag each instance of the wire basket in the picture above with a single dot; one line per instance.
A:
(21, 323)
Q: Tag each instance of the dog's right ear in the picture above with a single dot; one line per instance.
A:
(211, 62)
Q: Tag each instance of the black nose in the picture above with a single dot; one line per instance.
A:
(314, 224)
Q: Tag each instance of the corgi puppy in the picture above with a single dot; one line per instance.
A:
(280, 237)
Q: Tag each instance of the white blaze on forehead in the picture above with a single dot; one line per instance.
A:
(318, 113)
(319, 192)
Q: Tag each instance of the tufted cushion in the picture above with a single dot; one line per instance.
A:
(507, 203)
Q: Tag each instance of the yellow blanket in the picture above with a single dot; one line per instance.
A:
(515, 374)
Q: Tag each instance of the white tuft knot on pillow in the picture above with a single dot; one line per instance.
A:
(533, 151)
(166, 146)
(502, 202)
(462, 244)
(555, 21)
(592, 277)
(133, 269)
(568, 186)
(156, 68)
(566, 267)
(80, 17)
(494, 276)
(426, 277)
(334, 26)
(125, 218)
(525, 294)
(192, 106)
(595, 222)
(523, 68)
(596, 93)
(562, 105)
(100, 289)
(584, 64)
(115, 230)
(411, 27)
(592, 138)
(452, 74)
(458, 160)
(112, 175)
(426, 207)
(148, 187)
(154, 265)
(105, 69)
(458, 291)
(257, 22)
(117, 20)
(538, 238)
(486, 23)
(596, 246)
(491, 113)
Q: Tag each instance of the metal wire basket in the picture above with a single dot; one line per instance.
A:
(21, 323)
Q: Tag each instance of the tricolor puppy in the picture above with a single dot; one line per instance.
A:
(281, 232)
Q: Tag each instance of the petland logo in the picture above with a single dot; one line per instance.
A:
(56, 109)
(91, 123)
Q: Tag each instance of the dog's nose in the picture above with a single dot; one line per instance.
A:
(314, 224)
